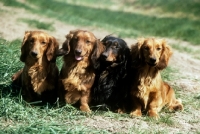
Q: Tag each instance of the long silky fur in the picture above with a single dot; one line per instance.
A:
(147, 87)
(39, 77)
(109, 89)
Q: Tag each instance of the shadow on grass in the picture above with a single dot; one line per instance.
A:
(8, 90)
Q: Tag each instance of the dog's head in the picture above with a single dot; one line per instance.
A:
(154, 52)
(37, 44)
(116, 50)
(82, 44)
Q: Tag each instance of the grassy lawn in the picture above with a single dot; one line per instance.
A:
(188, 7)
(17, 116)
(38, 24)
(124, 24)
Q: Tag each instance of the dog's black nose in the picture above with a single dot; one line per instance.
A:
(152, 59)
(78, 51)
(34, 53)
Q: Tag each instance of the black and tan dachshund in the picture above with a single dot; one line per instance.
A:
(109, 87)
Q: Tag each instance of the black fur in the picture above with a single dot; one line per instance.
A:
(111, 77)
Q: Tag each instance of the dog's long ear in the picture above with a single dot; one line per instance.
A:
(24, 52)
(125, 61)
(66, 45)
(52, 49)
(139, 45)
(135, 49)
(124, 54)
(166, 54)
(98, 49)
(65, 48)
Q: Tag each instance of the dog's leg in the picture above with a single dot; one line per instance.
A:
(173, 103)
(17, 80)
(170, 99)
(137, 107)
(71, 97)
(155, 105)
(84, 102)
(16, 75)
(153, 111)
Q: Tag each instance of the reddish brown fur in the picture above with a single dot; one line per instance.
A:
(148, 91)
(77, 76)
(39, 76)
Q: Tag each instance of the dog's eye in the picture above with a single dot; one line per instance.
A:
(43, 42)
(146, 48)
(32, 40)
(116, 45)
(75, 38)
(108, 42)
(87, 41)
(158, 49)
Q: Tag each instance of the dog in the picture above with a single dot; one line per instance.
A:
(109, 86)
(81, 51)
(148, 91)
(39, 77)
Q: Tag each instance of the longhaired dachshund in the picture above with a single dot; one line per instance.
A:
(81, 51)
(109, 87)
(149, 92)
(39, 77)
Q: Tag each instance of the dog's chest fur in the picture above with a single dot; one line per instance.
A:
(37, 75)
(148, 84)
(77, 75)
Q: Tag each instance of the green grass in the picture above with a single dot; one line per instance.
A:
(124, 24)
(38, 24)
(168, 74)
(186, 49)
(15, 4)
(9, 55)
(18, 117)
(172, 6)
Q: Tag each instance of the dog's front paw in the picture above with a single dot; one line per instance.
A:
(153, 114)
(85, 109)
(120, 111)
(136, 113)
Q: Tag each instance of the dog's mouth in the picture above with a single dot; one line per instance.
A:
(151, 64)
(78, 57)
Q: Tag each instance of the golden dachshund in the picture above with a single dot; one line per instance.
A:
(81, 51)
(39, 77)
(148, 91)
